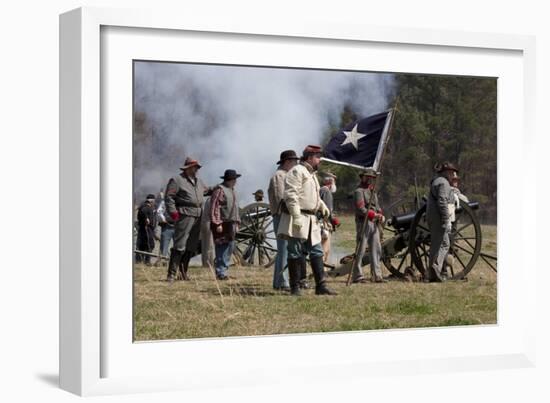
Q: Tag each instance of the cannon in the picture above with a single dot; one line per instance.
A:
(407, 251)
(256, 241)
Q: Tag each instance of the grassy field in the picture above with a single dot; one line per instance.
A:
(247, 304)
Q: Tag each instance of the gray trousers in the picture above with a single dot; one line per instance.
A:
(372, 240)
(439, 249)
(186, 234)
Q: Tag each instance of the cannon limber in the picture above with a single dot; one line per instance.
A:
(407, 251)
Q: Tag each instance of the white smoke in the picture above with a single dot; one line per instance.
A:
(239, 117)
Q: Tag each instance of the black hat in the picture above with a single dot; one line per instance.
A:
(287, 155)
(230, 174)
(150, 196)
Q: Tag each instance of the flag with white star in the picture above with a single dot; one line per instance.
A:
(361, 143)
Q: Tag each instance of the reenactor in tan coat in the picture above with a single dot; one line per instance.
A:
(299, 222)
(328, 226)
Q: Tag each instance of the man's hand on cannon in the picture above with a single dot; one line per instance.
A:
(447, 226)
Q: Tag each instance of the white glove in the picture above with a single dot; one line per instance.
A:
(296, 223)
(324, 210)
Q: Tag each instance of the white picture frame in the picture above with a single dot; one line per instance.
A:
(86, 346)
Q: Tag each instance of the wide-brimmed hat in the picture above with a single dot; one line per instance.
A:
(190, 162)
(258, 192)
(230, 174)
(368, 172)
(446, 166)
(311, 149)
(287, 155)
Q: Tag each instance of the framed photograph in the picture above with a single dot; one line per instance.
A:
(173, 132)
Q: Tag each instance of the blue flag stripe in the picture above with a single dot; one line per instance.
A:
(371, 138)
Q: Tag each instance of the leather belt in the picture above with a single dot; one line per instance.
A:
(284, 209)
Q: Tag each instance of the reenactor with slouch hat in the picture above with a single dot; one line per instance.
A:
(224, 221)
(368, 215)
(258, 196)
(299, 223)
(287, 160)
(439, 214)
(184, 198)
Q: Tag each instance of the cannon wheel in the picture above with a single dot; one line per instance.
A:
(400, 264)
(256, 242)
(465, 242)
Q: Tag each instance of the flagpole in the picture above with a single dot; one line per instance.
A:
(371, 197)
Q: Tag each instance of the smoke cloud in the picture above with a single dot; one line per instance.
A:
(238, 117)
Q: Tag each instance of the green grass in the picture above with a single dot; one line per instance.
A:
(247, 305)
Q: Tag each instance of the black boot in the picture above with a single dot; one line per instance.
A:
(294, 276)
(173, 264)
(184, 265)
(303, 274)
(319, 274)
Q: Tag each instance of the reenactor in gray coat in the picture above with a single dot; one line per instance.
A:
(439, 217)
(184, 198)
(367, 220)
(275, 191)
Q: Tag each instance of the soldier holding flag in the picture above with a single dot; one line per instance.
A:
(362, 145)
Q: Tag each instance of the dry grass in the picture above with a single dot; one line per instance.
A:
(247, 305)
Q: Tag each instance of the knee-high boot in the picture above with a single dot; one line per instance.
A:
(318, 269)
(303, 273)
(294, 276)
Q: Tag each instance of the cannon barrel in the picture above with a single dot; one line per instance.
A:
(473, 205)
(403, 222)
